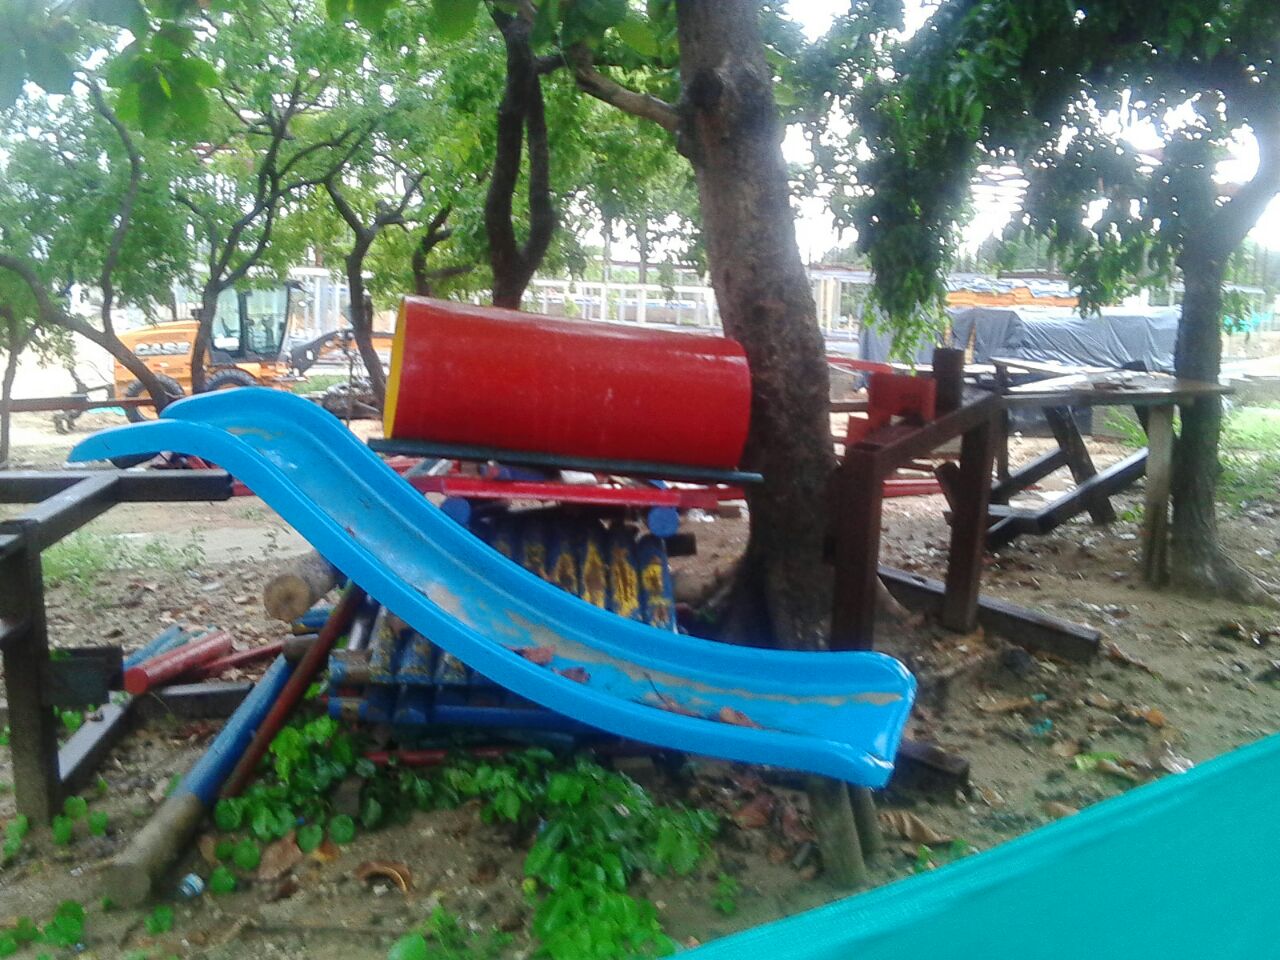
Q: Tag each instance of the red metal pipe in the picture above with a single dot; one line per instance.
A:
(160, 670)
(215, 668)
(486, 377)
(303, 674)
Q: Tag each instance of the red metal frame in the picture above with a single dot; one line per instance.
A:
(682, 498)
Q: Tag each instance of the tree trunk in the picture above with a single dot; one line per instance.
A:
(1198, 561)
(642, 248)
(521, 117)
(204, 335)
(109, 342)
(13, 346)
(729, 130)
(362, 320)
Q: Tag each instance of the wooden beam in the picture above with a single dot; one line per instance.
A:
(144, 486)
(64, 512)
(1032, 472)
(81, 756)
(1020, 625)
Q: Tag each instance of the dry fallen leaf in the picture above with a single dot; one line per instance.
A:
(279, 858)
(756, 813)
(398, 873)
(991, 797)
(737, 718)
(1113, 652)
(576, 674)
(672, 705)
(1096, 698)
(1058, 810)
(1154, 716)
(910, 827)
(793, 826)
(1066, 749)
(539, 655)
(1113, 768)
(327, 852)
(777, 855)
(208, 846)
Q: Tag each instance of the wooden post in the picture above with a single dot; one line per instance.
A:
(1006, 421)
(948, 373)
(859, 499)
(972, 491)
(1155, 514)
(33, 735)
(1065, 431)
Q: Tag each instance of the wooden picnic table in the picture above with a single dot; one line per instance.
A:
(1154, 396)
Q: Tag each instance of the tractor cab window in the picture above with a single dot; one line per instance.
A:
(226, 322)
(266, 317)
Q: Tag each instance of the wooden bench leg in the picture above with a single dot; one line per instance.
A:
(972, 490)
(1065, 431)
(33, 738)
(857, 551)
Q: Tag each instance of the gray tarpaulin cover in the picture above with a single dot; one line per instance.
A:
(1115, 339)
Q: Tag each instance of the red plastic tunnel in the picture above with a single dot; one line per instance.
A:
(482, 376)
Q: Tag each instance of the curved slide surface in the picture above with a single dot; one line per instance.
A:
(837, 714)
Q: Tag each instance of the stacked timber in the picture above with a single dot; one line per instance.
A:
(400, 678)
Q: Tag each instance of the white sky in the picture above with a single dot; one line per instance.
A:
(992, 209)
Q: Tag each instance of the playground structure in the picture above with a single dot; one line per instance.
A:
(502, 644)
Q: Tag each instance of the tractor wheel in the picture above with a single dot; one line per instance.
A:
(136, 389)
(226, 379)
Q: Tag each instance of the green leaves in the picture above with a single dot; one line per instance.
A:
(342, 829)
(228, 814)
(98, 821)
(453, 19)
(246, 855)
(66, 929)
(310, 837)
(77, 808)
(63, 829)
(130, 14)
(222, 881)
(413, 946)
(638, 35)
(163, 85)
(159, 920)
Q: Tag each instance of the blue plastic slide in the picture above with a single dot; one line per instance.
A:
(838, 714)
(1182, 869)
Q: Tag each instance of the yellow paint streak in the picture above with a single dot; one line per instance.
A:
(595, 577)
(658, 609)
(393, 381)
(626, 585)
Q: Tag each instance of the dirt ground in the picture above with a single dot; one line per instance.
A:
(1185, 680)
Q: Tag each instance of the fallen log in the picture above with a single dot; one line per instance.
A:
(294, 590)
(240, 658)
(169, 666)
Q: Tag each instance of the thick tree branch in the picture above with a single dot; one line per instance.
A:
(1231, 223)
(125, 213)
(592, 81)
